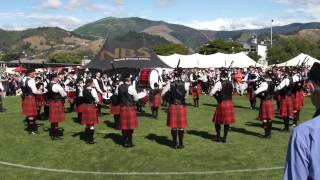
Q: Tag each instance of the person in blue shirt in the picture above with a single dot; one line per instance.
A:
(303, 157)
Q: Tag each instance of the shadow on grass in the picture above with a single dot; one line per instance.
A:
(210, 105)
(241, 107)
(246, 132)
(162, 140)
(111, 124)
(76, 120)
(253, 124)
(116, 138)
(81, 135)
(203, 134)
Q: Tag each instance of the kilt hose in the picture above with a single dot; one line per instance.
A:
(155, 101)
(286, 106)
(40, 100)
(115, 110)
(250, 94)
(89, 114)
(177, 116)
(224, 113)
(29, 106)
(71, 97)
(266, 110)
(56, 111)
(128, 118)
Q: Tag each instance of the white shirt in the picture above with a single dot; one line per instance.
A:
(67, 87)
(96, 85)
(32, 85)
(284, 83)
(217, 87)
(56, 88)
(167, 88)
(263, 87)
(94, 94)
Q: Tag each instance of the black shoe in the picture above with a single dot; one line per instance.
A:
(216, 139)
(174, 145)
(224, 140)
(55, 138)
(180, 147)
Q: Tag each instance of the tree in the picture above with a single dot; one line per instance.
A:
(222, 46)
(10, 56)
(254, 56)
(289, 47)
(169, 49)
(61, 57)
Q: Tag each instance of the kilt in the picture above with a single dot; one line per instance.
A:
(224, 113)
(128, 118)
(155, 101)
(115, 109)
(177, 116)
(286, 106)
(297, 101)
(56, 111)
(196, 91)
(89, 114)
(71, 96)
(250, 92)
(100, 98)
(301, 94)
(266, 110)
(40, 100)
(29, 106)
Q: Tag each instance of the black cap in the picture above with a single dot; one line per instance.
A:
(314, 73)
(52, 76)
(28, 71)
(125, 75)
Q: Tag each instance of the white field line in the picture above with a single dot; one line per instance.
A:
(138, 173)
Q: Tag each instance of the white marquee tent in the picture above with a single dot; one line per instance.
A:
(217, 60)
(299, 59)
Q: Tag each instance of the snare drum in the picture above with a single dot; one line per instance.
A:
(148, 77)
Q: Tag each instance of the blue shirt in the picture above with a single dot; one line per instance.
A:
(303, 158)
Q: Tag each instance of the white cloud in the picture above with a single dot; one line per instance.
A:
(51, 4)
(77, 5)
(309, 8)
(41, 20)
(229, 24)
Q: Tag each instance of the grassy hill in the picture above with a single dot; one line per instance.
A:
(117, 27)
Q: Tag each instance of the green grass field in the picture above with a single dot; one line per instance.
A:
(245, 148)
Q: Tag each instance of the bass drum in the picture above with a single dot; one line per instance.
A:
(148, 77)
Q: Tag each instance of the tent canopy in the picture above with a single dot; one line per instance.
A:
(217, 60)
(132, 54)
(298, 60)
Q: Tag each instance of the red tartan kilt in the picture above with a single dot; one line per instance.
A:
(29, 106)
(89, 114)
(297, 101)
(128, 118)
(301, 94)
(56, 111)
(278, 98)
(40, 100)
(250, 94)
(286, 106)
(71, 96)
(100, 98)
(155, 101)
(177, 116)
(266, 110)
(78, 108)
(224, 113)
(115, 109)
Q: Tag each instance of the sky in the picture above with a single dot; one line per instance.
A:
(199, 14)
